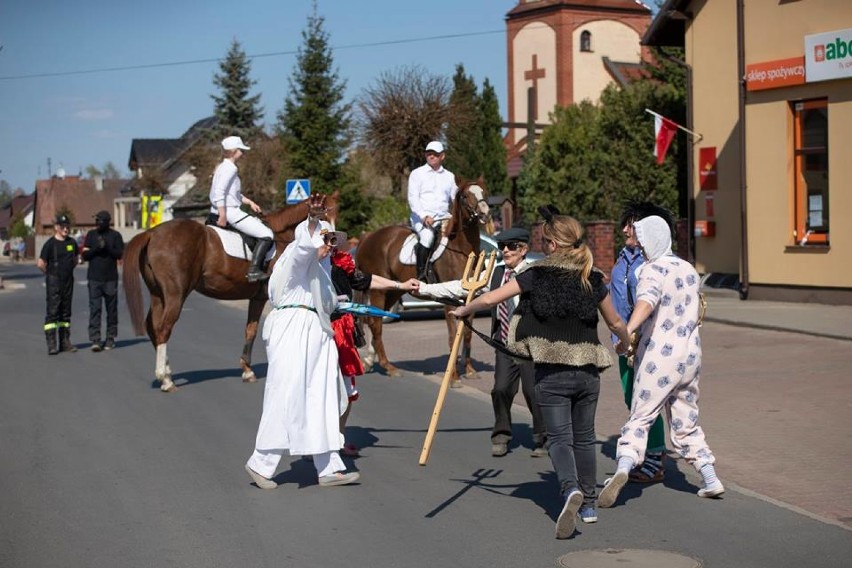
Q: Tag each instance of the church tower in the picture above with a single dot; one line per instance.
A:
(564, 51)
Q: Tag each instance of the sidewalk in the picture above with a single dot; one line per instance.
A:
(821, 320)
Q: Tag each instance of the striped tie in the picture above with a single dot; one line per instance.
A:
(503, 311)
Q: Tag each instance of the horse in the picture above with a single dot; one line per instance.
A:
(182, 255)
(378, 253)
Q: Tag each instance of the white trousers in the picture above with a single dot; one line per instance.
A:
(266, 462)
(424, 233)
(248, 224)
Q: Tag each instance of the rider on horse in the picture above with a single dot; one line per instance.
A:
(226, 198)
(431, 190)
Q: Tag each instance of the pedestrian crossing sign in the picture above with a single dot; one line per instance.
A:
(298, 190)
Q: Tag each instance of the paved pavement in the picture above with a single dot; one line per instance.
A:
(819, 320)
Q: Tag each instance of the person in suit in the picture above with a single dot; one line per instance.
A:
(509, 372)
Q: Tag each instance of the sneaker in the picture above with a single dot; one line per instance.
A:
(566, 523)
(259, 480)
(339, 478)
(588, 514)
(539, 452)
(714, 490)
(499, 450)
(109, 344)
(96, 346)
(652, 470)
(612, 487)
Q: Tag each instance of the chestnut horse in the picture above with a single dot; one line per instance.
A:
(183, 255)
(378, 253)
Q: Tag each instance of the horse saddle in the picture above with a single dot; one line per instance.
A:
(235, 243)
(406, 253)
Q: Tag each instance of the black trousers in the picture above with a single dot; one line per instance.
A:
(510, 373)
(60, 292)
(103, 293)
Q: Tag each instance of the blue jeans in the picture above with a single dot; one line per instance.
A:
(568, 397)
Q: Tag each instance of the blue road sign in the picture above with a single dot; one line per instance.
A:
(298, 190)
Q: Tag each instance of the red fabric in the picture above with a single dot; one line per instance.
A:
(347, 353)
(344, 260)
(665, 131)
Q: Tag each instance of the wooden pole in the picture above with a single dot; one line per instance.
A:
(470, 283)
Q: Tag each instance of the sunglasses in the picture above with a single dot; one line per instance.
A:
(511, 246)
(334, 238)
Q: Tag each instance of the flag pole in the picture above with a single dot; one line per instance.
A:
(698, 136)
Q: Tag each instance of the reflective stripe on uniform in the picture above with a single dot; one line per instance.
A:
(50, 326)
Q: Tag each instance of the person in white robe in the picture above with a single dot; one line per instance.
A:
(304, 395)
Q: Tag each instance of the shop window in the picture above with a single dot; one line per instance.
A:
(810, 224)
(586, 41)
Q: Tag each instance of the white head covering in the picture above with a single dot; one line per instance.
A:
(322, 288)
(654, 235)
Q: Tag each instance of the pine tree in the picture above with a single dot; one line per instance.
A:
(236, 112)
(492, 151)
(314, 123)
(462, 130)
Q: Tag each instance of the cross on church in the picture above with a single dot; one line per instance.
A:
(534, 75)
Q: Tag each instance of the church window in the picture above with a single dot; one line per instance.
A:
(586, 41)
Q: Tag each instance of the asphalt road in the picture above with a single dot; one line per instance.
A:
(100, 468)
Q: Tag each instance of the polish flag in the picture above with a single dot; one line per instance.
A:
(664, 132)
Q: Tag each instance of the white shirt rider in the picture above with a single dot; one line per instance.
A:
(431, 190)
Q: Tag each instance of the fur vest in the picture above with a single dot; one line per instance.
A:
(556, 320)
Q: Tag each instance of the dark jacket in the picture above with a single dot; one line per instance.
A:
(102, 250)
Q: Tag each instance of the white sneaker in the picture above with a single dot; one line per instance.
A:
(567, 521)
(612, 487)
(712, 491)
(339, 478)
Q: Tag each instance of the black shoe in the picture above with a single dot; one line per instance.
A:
(96, 346)
(109, 344)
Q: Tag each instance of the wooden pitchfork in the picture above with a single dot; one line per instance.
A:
(471, 284)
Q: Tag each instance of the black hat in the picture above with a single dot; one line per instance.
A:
(62, 220)
(516, 234)
(103, 216)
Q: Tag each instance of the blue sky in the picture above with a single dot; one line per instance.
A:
(77, 119)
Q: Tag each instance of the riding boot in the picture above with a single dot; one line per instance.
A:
(65, 340)
(52, 347)
(421, 254)
(256, 272)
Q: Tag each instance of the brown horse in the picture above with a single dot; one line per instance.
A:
(182, 255)
(378, 253)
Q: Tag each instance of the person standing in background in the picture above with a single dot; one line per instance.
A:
(102, 249)
(57, 260)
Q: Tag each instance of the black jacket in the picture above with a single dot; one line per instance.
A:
(102, 250)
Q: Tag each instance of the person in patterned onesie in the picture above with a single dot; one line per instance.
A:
(667, 362)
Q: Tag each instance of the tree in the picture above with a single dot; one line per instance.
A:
(6, 194)
(463, 140)
(492, 150)
(399, 114)
(237, 113)
(110, 171)
(314, 123)
(565, 167)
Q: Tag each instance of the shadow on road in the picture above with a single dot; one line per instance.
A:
(187, 378)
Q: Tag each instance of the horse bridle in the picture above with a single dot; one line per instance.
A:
(473, 210)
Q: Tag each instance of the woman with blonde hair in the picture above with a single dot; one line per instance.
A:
(555, 325)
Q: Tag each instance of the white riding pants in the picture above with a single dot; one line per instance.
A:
(247, 224)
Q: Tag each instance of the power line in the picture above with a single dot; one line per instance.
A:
(257, 56)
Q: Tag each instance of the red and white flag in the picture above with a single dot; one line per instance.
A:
(664, 132)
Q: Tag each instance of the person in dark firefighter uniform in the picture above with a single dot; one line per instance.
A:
(103, 249)
(57, 260)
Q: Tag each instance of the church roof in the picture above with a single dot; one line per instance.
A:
(623, 72)
(544, 6)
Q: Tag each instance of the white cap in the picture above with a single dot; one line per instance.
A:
(435, 146)
(234, 143)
